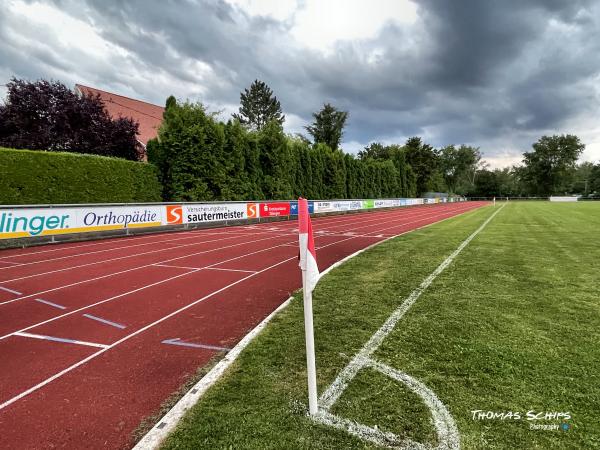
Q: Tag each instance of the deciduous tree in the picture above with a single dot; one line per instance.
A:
(46, 115)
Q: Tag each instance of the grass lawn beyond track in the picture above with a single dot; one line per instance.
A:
(512, 325)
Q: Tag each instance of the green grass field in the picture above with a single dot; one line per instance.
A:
(513, 324)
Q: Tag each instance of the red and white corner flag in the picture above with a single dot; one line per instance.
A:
(310, 276)
(308, 255)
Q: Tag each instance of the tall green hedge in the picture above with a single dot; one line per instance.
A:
(34, 177)
(201, 158)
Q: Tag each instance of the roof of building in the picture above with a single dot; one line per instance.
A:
(148, 116)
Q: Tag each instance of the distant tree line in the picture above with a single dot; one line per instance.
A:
(200, 157)
(551, 168)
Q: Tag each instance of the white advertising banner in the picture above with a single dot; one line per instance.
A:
(219, 212)
(324, 207)
(31, 222)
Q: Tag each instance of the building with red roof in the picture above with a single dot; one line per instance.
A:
(147, 115)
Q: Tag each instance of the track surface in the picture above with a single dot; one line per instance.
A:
(135, 317)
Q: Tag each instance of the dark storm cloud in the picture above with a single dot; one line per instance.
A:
(468, 71)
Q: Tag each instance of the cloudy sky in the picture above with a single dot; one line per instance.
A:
(494, 74)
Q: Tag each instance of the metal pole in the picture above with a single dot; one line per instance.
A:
(310, 348)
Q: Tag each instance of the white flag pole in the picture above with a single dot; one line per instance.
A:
(494, 201)
(310, 348)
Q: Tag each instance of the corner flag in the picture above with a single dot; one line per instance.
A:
(310, 276)
(308, 256)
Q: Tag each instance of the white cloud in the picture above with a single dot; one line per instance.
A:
(352, 147)
(294, 123)
(320, 24)
(69, 32)
(276, 9)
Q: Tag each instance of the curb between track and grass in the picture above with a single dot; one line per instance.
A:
(169, 421)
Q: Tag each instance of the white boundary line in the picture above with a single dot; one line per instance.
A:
(167, 423)
(112, 249)
(447, 432)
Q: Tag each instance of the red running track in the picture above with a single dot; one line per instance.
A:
(83, 325)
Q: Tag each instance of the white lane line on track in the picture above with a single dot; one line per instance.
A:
(232, 235)
(177, 267)
(125, 338)
(126, 247)
(132, 269)
(285, 226)
(10, 290)
(421, 219)
(122, 257)
(129, 336)
(179, 342)
(426, 213)
(318, 220)
(46, 302)
(157, 283)
(123, 294)
(73, 245)
(230, 270)
(163, 427)
(154, 237)
(168, 260)
(237, 229)
(183, 235)
(104, 321)
(11, 264)
(64, 340)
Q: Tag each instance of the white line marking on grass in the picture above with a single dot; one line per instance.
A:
(168, 422)
(446, 429)
(107, 322)
(377, 437)
(54, 305)
(10, 290)
(57, 339)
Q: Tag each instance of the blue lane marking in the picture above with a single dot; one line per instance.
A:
(57, 339)
(55, 305)
(10, 290)
(178, 341)
(107, 322)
